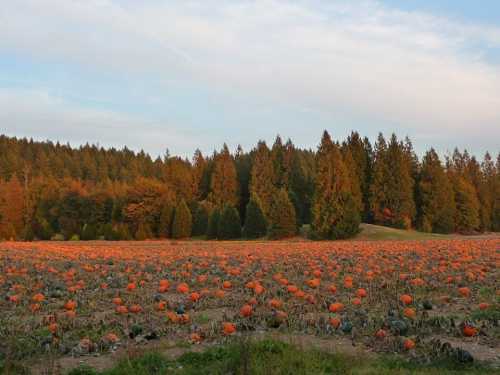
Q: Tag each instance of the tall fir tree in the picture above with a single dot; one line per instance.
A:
(282, 220)
(436, 196)
(255, 221)
(12, 207)
(263, 177)
(229, 227)
(213, 224)
(335, 212)
(166, 220)
(224, 182)
(467, 206)
(182, 223)
(199, 214)
(392, 188)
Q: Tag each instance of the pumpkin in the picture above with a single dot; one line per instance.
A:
(183, 288)
(336, 307)
(381, 333)
(70, 305)
(335, 322)
(228, 328)
(409, 313)
(408, 344)
(469, 330)
(246, 311)
(406, 299)
(361, 293)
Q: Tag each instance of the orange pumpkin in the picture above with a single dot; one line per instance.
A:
(228, 328)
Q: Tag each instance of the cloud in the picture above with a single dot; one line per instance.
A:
(412, 71)
(42, 116)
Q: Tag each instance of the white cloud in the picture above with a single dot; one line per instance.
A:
(41, 115)
(407, 69)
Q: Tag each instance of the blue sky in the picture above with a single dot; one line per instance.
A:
(182, 74)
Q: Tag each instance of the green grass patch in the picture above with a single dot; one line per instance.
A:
(275, 357)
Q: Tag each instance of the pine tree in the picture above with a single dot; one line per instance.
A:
(282, 220)
(12, 208)
(335, 212)
(436, 196)
(200, 219)
(199, 168)
(467, 206)
(166, 220)
(262, 178)
(181, 226)
(391, 192)
(360, 150)
(229, 224)
(255, 221)
(224, 181)
(278, 160)
(213, 224)
(243, 163)
(143, 232)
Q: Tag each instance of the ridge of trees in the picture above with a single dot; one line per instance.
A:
(54, 191)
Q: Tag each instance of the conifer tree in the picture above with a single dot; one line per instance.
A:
(181, 226)
(213, 224)
(436, 196)
(335, 212)
(282, 220)
(229, 224)
(495, 216)
(243, 164)
(199, 169)
(11, 208)
(255, 221)
(166, 220)
(360, 150)
(224, 181)
(391, 191)
(467, 206)
(143, 232)
(263, 177)
(278, 160)
(353, 172)
(200, 219)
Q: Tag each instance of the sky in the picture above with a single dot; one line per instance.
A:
(186, 74)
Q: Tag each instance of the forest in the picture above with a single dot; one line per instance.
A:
(51, 191)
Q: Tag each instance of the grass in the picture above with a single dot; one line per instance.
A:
(377, 232)
(274, 357)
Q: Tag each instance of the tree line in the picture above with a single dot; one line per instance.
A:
(53, 191)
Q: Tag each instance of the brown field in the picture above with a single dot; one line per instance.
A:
(63, 303)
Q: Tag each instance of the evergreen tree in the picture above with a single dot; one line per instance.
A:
(360, 150)
(224, 181)
(213, 224)
(166, 220)
(282, 220)
(467, 206)
(89, 232)
(335, 212)
(181, 226)
(12, 206)
(200, 219)
(243, 163)
(391, 192)
(229, 224)
(262, 178)
(255, 221)
(143, 232)
(199, 169)
(436, 196)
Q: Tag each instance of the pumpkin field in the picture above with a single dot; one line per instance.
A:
(421, 300)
